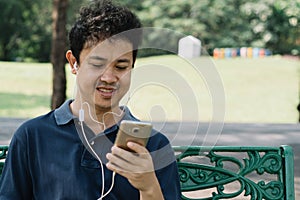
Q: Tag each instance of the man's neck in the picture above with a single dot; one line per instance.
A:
(98, 119)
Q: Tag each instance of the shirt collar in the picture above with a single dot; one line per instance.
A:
(63, 114)
(127, 114)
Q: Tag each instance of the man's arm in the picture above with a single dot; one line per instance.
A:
(15, 182)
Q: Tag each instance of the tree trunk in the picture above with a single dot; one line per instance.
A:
(58, 60)
(298, 108)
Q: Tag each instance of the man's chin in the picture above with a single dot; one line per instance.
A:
(106, 106)
(106, 103)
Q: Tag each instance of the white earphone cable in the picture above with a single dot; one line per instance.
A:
(81, 121)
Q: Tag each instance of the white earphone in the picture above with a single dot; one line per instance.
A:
(75, 66)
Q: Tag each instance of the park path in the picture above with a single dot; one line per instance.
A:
(191, 133)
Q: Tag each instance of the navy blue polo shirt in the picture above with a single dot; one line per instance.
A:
(47, 160)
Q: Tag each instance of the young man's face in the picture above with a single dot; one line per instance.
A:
(104, 74)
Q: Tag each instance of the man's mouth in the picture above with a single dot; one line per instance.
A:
(106, 92)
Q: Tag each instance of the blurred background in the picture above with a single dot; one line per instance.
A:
(260, 86)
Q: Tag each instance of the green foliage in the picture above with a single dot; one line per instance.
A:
(275, 24)
(272, 24)
(26, 29)
(283, 37)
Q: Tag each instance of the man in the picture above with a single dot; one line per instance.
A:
(59, 155)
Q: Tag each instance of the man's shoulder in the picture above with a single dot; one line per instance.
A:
(161, 150)
(29, 129)
(48, 119)
(159, 137)
(36, 123)
(39, 120)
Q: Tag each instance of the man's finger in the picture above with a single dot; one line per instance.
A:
(137, 148)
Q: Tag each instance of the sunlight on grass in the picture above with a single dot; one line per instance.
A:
(256, 90)
(26, 89)
(261, 90)
(172, 90)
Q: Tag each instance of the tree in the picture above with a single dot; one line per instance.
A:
(59, 32)
(25, 30)
(11, 17)
(26, 25)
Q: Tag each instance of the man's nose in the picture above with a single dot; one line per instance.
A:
(108, 75)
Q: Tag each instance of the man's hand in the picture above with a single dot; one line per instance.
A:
(137, 168)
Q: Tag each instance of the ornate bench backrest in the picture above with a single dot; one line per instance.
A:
(235, 172)
(230, 172)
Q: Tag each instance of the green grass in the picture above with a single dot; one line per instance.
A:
(262, 90)
(26, 89)
(256, 90)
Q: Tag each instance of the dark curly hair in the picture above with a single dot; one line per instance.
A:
(101, 20)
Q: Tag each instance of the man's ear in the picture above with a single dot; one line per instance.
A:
(72, 61)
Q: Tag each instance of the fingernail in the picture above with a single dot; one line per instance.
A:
(130, 144)
(107, 165)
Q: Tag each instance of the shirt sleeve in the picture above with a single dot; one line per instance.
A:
(15, 182)
(169, 182)
(166, 170)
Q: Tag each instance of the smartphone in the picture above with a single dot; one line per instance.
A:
(133, 131)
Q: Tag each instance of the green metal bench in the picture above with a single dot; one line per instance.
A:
(236, 172)
(3, 153)
(231, 172)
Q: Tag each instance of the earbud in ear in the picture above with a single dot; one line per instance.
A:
(75, 66)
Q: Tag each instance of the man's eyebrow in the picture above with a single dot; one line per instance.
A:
(123, 60)
(97, 58)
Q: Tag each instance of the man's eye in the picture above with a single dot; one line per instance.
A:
(121, 67)
(97, 65)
